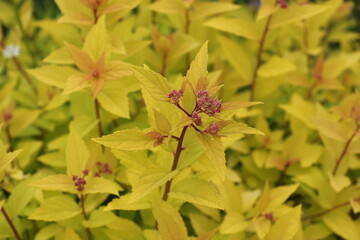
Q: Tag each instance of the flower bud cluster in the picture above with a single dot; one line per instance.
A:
(282, 3)
(196, 118)
(102, 169)
(208, 105)
(80, 182)
(212, 129)
(175, 96)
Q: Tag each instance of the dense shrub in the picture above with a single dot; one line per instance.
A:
(179, 119)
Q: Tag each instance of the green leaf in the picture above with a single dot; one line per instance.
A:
(76, 154)
(170, 223)
(198, 191)
(58, 182)
(153, 82)
(52, 75)
(99, 218)
(20, 196)
(340, 222)
(239, 27)
(70, 234)
(149, 180)
(100, 185)
(131, 139)
(56, 209)
(215, 152)
(276, 66)
(286, 226)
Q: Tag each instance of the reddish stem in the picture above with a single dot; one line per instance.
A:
(83, 211)
(319, 214)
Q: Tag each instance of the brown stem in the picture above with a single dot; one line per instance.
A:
(97, 112)
(319, 214)
(83, 211)
(11, 224)
(259, 57)
(179, 149)
(163, 67)
(24, 74)
(343, 153)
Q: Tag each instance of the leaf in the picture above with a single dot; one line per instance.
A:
(113, 98)
(70, 234)
(239, 27)
(131, 139)
(286, 226)
(215, 152)
(149, 180)
(76, 154)
(237, 57)
(170, 223)
(294, 13)
(20, 196)
(197, 191)
(168, 6)
(124, 229)
(7, 158)
(99, 218)
(339, 182)
(340, 222)
(52, 75)
(276, 66)
(266, 10)
(233, 223)
(76, 82)
(162, 123)
(100, 185)
(122, 203)
(154, 83)
(355, 205)
(58, 182)
(59, 56)
(235, 128)
(207, 9)
(56, 209)
(22, 119)
(96, 42)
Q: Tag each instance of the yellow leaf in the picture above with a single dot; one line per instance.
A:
(355, 205)
(294, 13)
(235, 128)
(198, 67)
(339, 182)
(59, 56)
(100, 185)
(239, 27)
(340, 222)
(154, 83)
(275, 66)
(162, 123)
(150, 179)
(215, 152)
(70, 234)
(22, 119)
(124, 229)
(131, 139)
(58, 182)
(233, 223)
(97, 41)
(56, 209)
(207, 9)
(113, 98)
(122, 203)
(286, 226)
(168, 6)
(266, 10)
(52, 75)
(198, 191)
(76, 154)
(237, 57)
(170, 223)
(99, 218)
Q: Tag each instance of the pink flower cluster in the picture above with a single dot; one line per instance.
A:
(175, 96)
(208, 105)
(80, 182)
(102, 169)
(282, 3)
(196, 118)
(212, 129)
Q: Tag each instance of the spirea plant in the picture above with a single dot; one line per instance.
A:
(179, 120)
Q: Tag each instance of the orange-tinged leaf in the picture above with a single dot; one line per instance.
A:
(81, 58)
(97, 41)
(76, 82)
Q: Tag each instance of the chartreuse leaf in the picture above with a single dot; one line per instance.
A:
(198, 67)
(58, 182)
(206, 9)
(2, 203)
(96, 41)
(100, 185)
(234, 128)
(52, 75)
(233, 223)
(6, 158)
(286, 226)
(340, 222)
(56, 209)
(76, 153)
(237, 26)
(70, 234)
(22, 119)
(355, 205)
(131, 139)
(266, 9)
(215, 152)
(20, 196)
(153, 82)
(170, 223)
(59, 56)
(294, 13)
(149, 180)
(275, 66)
(162, 123)
(113, 98)
(99, 218)
(198, 191)
(124, 229)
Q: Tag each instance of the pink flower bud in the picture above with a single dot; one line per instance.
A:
(175, 96)
(196, 118)
(212, 129)
(85, 172)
